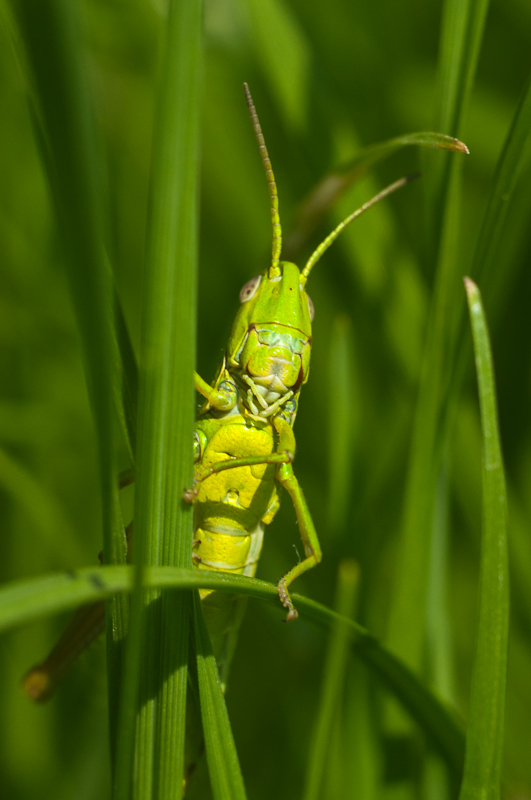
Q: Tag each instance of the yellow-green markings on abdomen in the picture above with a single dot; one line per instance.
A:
(230, 507)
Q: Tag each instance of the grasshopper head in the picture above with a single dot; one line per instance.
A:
(270, 341)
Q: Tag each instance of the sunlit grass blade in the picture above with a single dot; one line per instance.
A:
(487, 702)
(163, 522)
(27, 600)
(333, 681)
(54, 47)
(332, 186)
(223, 765)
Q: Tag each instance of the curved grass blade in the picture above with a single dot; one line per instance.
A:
(223, 765)
(333, 681)
(487, 703)
(27, 600)
(332, 186)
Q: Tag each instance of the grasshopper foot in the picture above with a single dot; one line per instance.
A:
(285, 599)
(189, 495)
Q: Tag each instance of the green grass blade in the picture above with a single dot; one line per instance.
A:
(27, 600)
(461, 35)
(463, 27)
(507, 173)
(163, 522)
(126, 369)
(52, 36)
(506, 176)
(333, 681)
(487, 703)
(332, 186)
(223, 765)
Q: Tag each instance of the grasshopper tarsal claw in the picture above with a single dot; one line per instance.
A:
(285, 599)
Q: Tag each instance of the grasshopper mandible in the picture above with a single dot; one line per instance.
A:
(243, 445)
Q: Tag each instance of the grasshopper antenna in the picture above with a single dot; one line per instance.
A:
(274, 270)
(316, 255)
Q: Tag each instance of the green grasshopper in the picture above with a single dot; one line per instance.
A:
(244, 445)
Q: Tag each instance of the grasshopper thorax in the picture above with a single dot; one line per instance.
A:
(270, 342)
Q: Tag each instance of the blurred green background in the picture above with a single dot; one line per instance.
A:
(327, 79)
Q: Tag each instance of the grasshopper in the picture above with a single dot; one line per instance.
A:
(244, 445)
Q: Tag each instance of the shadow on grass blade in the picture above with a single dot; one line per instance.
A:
(223, 765)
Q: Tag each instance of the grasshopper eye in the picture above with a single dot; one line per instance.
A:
(249, 290)
(311, 307)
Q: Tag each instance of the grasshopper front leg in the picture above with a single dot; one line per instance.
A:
(222, 398)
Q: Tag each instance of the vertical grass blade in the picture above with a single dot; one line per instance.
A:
(487, 703)
(333, 681)
(506, 176)
(163, 522)
(126, 382)
(51, 32)
(223, 765)
(507, 172)
(461, 37)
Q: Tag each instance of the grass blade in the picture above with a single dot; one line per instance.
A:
(223, 765)
(51, 32)
(333, 681)
(461, 37)
(163, 522)
(505, 179)
(126, 369)
(507, 172)
(332, 186)
(487, 702)
(27, 600)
